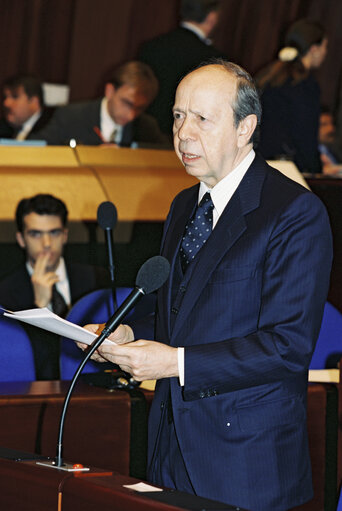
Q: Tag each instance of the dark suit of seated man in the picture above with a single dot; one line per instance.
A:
(24, 109)
(117, 118)
(46, 280)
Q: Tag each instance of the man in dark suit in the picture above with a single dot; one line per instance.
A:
(330, 151)
(236, 324)
(174, 54)
(117, 118)
(46, 280)
(24, 109)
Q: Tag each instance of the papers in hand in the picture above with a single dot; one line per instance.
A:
(44, 318)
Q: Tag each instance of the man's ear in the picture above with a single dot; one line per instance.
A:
(109, 90)
(20, 239)
(211, 21)
(246, 129)
(34, 102)
(65, 235)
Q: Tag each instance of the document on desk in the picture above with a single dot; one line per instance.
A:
(44, 318)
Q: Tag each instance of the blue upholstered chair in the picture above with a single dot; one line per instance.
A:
(16, 360)
(328, 351)
(95, 307)
(339, 505)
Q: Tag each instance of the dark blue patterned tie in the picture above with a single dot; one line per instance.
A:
(197, 231)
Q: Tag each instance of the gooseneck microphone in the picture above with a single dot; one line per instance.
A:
(150, 277)
(107, 217)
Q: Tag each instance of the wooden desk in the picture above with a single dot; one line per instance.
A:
(78, 187)
(329, 190)
(322, 429)
(97, 427)
(26, 486)
(141, 182)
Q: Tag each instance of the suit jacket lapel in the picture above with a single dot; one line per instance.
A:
(179, 215)
(229, 228)
(127, 135)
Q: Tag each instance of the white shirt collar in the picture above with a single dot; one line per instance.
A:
(108, 125)
(223, 191)
(193, 28)
(28, 125)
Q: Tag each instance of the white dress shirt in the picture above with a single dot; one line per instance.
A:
(221, 194)
(108, 126)
(196, 30)
(27, 126)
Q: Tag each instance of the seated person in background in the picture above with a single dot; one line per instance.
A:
(330, 153)
(45, 279)
(175, 53)
(290, 98)
(117, 118)
(23, 108)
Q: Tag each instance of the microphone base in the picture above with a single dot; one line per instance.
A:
(66, 467)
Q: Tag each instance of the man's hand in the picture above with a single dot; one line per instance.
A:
(123, 334)
(42, 281)
(144, 360)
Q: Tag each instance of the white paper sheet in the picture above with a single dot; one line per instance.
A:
(44, 318)
(142, 487)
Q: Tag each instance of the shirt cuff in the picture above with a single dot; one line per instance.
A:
(180, 355)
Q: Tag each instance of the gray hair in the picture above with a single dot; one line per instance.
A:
(247, 99)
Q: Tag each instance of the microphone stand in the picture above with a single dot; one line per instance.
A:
(110, 326)
(151, 277)
(109, 241)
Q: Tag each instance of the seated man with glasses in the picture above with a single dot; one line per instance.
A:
(45, 279)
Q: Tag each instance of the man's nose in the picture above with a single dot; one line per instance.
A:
(46, 239)
(185, 132)
(7, 102)
(130, 115)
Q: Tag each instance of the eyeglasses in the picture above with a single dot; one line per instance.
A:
(54, 233)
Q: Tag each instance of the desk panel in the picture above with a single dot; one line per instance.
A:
(97, 426)
(52, 156)
(143, 193)
(109, 156)
(26, 486)
(78, 187)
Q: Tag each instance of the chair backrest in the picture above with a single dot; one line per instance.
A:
(328, 349)
(339, 505)
(16, 360)
(95, 307)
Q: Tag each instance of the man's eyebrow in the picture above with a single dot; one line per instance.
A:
(195, 112)
(127, 102)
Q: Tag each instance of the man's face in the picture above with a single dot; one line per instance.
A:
(125, 103)
(43, 234)
(205, 138)
(319, 52)
(326, 128)
(18, 106)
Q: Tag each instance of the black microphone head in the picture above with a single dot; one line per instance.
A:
(153, 274)
(107, 215)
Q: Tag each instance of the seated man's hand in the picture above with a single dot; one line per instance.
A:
(42, 281)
